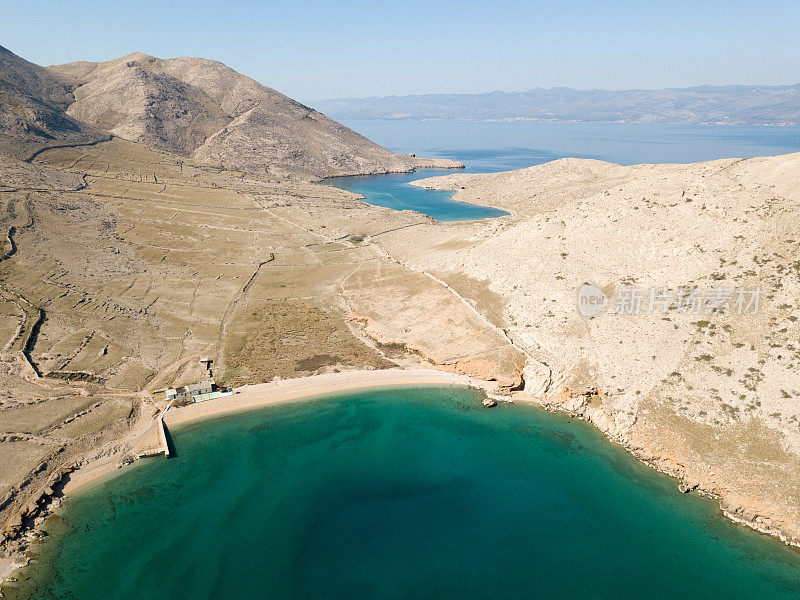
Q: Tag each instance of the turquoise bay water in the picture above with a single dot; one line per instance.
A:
(393, 191)
(409, 493)
(492, 147)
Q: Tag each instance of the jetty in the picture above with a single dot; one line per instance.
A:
(162, 432)
(154, 440)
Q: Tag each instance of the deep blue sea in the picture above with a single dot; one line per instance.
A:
(492, 147)
(400, 494)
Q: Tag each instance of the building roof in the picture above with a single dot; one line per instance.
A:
(203, 385)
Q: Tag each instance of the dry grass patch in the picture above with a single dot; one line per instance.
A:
(293, 338)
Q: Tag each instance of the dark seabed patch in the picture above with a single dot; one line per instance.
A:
(411, 493)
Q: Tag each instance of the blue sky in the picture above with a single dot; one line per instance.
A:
(314, 50)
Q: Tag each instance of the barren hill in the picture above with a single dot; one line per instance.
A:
(675, 367)
(121, 266)
(33, 102)
(203, 109)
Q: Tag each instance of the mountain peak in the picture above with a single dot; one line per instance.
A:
(138, 56)
(189, 106)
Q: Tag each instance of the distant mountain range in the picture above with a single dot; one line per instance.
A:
(731, 104)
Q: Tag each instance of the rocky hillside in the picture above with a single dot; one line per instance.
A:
(693, 364)
(121, 266)
(203, 109)
(33, 102)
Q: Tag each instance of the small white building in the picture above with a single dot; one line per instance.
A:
(190, 391)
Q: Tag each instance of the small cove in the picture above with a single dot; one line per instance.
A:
(492, 147)
(410, 492)
(393, 191)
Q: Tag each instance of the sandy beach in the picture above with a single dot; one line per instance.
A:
(280, 391)
(267, 394)
(252, 397)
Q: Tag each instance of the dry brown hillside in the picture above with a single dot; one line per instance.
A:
(33, 102)
(122, 266)
(124, 263)
(703, 391)
(206, 110)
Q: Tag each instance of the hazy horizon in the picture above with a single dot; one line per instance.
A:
(525, 91)
(313, 51)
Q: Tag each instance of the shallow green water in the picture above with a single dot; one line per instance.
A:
(413, 493)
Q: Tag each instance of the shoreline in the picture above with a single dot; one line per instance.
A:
(245, 398)
(444, 164)
(284, 391)
(273, 393)
(599, 420)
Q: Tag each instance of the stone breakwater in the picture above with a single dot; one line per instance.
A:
(54, 477)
